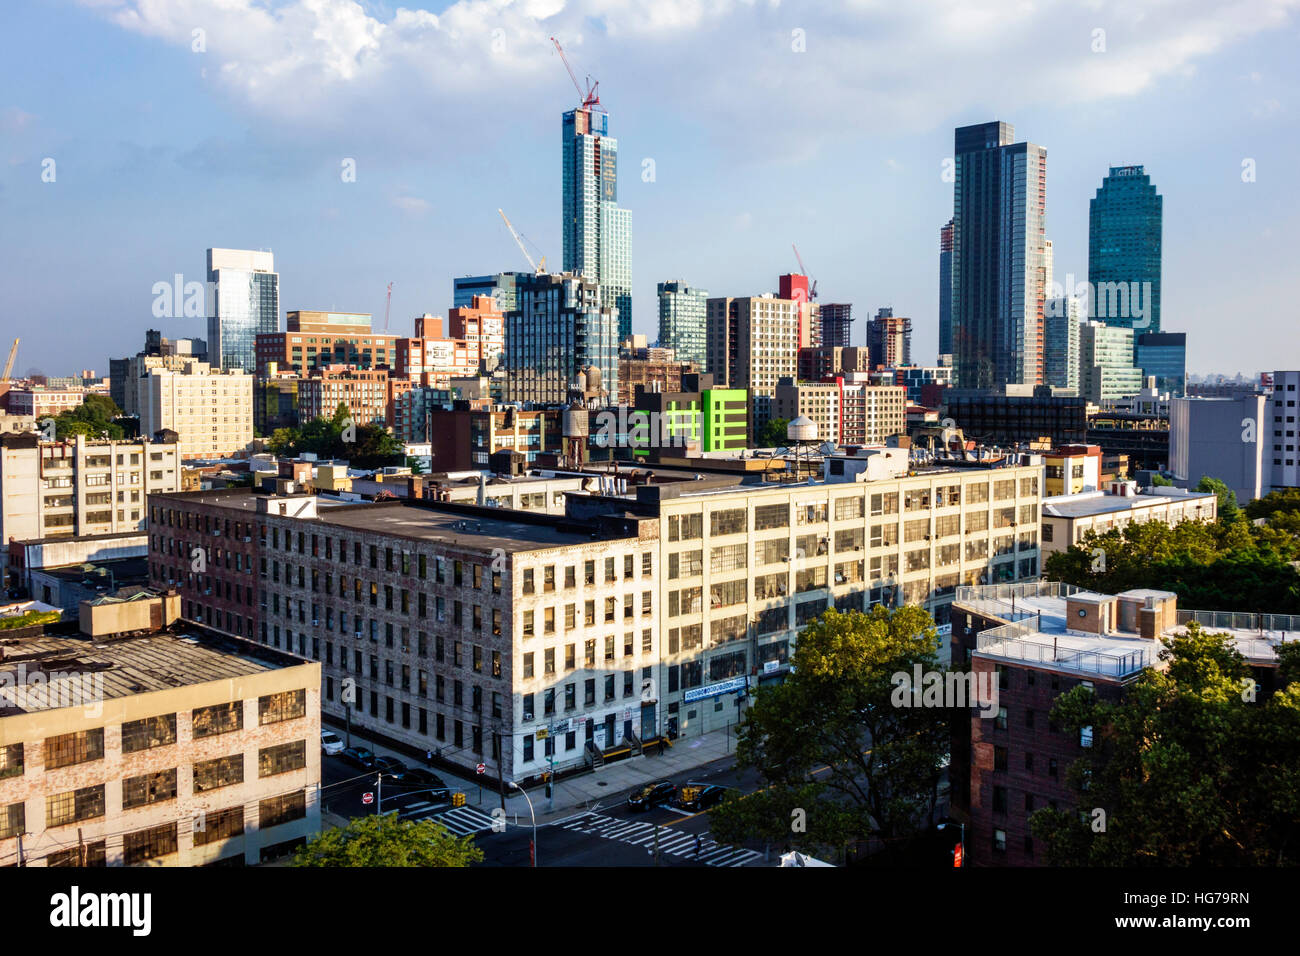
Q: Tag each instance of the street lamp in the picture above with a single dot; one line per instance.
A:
(532, 816)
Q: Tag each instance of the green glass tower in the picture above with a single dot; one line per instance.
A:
(1124, 234)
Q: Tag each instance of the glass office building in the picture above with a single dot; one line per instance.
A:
(683, 323)
(1164, 355)
(245, 292)
(945, 289)
(1124, 234)
(558, 328)
(596, 230)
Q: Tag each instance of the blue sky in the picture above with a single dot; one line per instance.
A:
(453, 110)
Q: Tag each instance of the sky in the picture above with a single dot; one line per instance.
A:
(135, 134)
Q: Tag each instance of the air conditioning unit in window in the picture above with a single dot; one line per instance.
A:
(528, 717)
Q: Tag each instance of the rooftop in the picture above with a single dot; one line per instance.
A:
(1038, 631)
(1091, 503)
(122, 667)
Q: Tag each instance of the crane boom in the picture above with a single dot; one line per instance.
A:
(812, 289)
(519, 241)
(592, 96)
(9, 365)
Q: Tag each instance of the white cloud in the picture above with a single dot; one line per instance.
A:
(329, 68)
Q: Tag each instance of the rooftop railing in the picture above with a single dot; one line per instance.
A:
(1023, 642)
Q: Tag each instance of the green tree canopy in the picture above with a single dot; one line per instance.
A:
(387, 840)
(93, 418)
(833, 741)
(338, 437)
(771, 434)
(1228, 510)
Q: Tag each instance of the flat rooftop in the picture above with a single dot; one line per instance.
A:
(1097, 503)
(427, 520)
(81, 670)
(1037, 630)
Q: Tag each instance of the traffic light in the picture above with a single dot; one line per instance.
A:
(458, 799)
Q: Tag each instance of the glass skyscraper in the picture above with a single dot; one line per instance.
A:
(683, 321)
(245, 292)
(557, 328)
(1164, 355)
(1061, 317)
(1000, 259)
(1124, 234)
(596, 231)
(945, 289)
(500, 287)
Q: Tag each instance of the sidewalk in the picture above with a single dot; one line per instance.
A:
(604, 786)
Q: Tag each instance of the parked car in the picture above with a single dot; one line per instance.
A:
(420, 779)
(389, 765)
(652, 795)
(359, 757)
(701, 796)
(330, 742)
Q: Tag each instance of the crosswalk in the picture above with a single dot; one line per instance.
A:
(672, 842)
(461, 821)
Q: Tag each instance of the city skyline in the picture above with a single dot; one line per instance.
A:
(160, 171)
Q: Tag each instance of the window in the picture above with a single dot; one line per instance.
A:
(767, 517)
(13, 820)
(728, 521)
(68, 749)
(284, 706)
(219, 825)
(148, 788)
(1000, 841)
(1000, 758)
(221, 772)
(999, 799)
(281, 758)
(74, 806)
(218, 719)
(284, 809)
(149, 844)
(1001, 720)
(11, 761)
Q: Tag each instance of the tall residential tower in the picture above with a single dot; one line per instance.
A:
(999, 257)
(1124, 233)
(245, 303)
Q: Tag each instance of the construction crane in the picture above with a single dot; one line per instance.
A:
(387, 304)
(812, 289)
(9, 365)
(539, 268)
(592, 96)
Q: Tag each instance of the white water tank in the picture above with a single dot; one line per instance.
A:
(801, 429)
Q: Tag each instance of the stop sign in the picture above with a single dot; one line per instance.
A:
(481, 768)
(367, 797)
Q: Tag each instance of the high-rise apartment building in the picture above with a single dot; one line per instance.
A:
(558, 328)
(500, 287)
(482, 326)
(683, 323)
(1106, 369)
(889, 339)
(753, 343)
(1280, 413)
(1000, 271)
(365, 392)
(1125, 224)
(945, 289)
(871, 414)
(596, 230)
(836, 324)
(210, 411)
(817, 401)
(315, 340)
(245, 291)
(1061, 318)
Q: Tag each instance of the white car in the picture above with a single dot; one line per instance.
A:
(330, 742)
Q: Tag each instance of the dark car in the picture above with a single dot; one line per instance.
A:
(421, 779)
(701, 796)
(389, 765)
(652, 795)
(359, 757)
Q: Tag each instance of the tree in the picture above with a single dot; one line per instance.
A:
(1228, 510)
(1160, 481)
(1188, 768)
(386, 840)
(772, 434)
(834, 741)
(93, 418)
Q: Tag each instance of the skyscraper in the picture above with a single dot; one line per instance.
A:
(245, 302)
(558, 328)
(597, 232)
(999, 259)
(945, 289)
(837, 324)
(1164, 355)
(889, 339)
(1124, 233)
(1061, 341)
(501, 287)
(1106, 368)
(683, 323)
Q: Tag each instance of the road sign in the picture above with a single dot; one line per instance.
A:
(481, 768)
(367, 797)
(542, 733)
(956, 855)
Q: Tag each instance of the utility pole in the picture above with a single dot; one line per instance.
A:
(501, 769)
